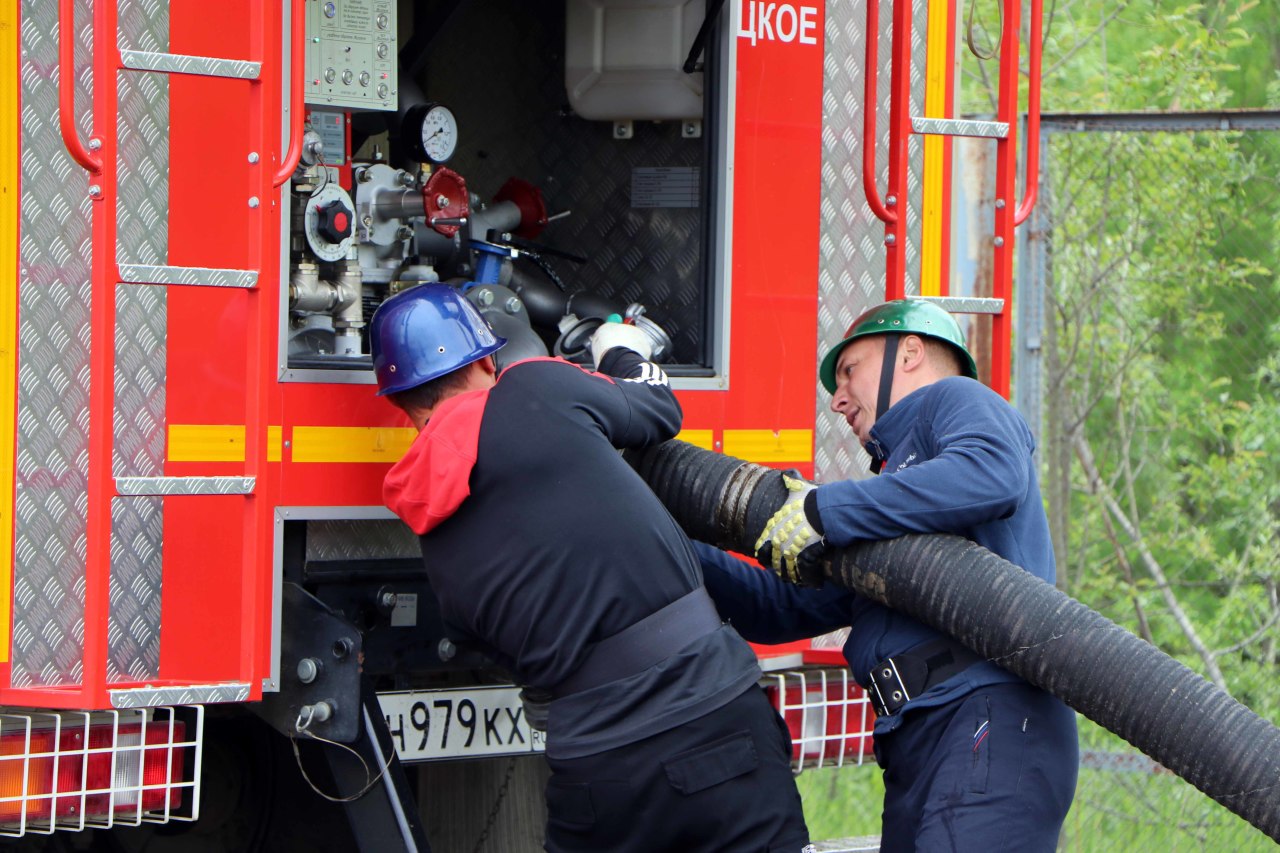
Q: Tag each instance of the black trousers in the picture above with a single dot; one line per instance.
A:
(991, 771)
(719, 783)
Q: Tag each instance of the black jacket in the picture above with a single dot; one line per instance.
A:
(540, 541)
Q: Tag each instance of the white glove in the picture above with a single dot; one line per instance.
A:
(788, 544)
(611, 335)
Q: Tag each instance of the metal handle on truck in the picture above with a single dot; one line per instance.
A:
(298, 25)
(869, 118)
(67, 90)
(1032, 183)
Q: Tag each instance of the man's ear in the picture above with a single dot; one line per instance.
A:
(911, 352)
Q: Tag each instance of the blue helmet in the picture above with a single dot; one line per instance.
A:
(425, 332)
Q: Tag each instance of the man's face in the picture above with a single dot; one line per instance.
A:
(858, 384)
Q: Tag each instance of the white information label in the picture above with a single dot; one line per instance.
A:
(665, 186)
(405, 613)
(428, 725)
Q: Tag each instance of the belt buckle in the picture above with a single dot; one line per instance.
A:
(888, 693)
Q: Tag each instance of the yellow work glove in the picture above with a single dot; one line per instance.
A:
(789, 545)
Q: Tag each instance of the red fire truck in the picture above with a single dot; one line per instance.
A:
(207, 609)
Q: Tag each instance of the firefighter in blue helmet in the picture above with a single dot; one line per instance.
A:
(973, 757)
(548, 553)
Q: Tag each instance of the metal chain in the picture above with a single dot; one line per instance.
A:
(497, 806)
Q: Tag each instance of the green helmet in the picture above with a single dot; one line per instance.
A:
(904, 316)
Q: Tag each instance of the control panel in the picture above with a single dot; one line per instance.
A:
(351, 54)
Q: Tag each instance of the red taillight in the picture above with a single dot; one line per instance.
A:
(127, 768)
(26, 773)
(110, 776)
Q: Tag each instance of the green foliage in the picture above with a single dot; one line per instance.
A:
(1137, 809)
(1165, 311)
(1165, 306)
(842, 802)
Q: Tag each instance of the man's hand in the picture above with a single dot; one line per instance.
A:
(789, 545)
(537, 706)
(615, 334)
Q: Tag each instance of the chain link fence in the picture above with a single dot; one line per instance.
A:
(1152, 262)
(1158, 241)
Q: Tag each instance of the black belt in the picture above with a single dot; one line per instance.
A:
(897, 680)
(639, 646)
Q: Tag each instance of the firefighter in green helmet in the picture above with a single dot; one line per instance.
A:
(974, 758)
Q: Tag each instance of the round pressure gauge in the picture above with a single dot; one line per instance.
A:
(431, 132)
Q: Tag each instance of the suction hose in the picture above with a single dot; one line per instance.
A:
(1013, 618)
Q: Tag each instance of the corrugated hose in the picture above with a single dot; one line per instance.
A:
(1013, 618)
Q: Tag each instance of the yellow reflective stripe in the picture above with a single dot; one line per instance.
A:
(275, 441)
(937, 70)
(312, 444)
(351, 444)
(703, 438)
(8, 301)
(766, 445)
(217, 443)
(206, 443)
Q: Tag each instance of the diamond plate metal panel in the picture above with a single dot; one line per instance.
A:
(177, 63)
(960, 127)
(513, 120)
(194, 276)
(53, 385)
(148, 486)
(143, 25)
(200, 694)
(380, 539)
(142, 129)
(851, 246)
(133, 632)
(53, 357)
(968, 304)
(143, 202)
(139, 382)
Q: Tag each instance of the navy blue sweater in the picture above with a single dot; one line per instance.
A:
(958, 459)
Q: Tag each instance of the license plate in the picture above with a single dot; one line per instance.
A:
(471, 722)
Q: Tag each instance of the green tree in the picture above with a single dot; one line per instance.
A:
(1164, 303)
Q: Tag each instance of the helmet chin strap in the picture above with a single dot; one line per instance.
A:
(886, 374)
(886, 386)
